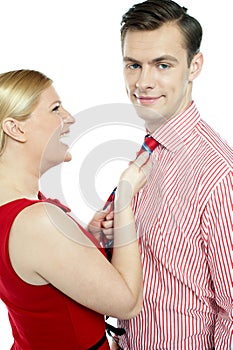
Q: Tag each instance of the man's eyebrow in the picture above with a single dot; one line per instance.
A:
(130, 59)
(165, 58)
(155, 60)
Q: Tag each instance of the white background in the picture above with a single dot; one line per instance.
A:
(77, 44)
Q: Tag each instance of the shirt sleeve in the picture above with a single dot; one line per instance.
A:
(218, 231)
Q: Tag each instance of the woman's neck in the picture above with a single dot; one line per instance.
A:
(17, 180)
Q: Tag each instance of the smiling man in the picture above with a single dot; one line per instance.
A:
(184, 215)
(157, 72)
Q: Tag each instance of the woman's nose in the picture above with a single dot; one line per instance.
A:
(67, 117)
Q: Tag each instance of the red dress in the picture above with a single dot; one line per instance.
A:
(42, 317)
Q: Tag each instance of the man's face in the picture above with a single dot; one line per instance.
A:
(158, 79)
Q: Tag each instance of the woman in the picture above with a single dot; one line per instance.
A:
(55, 282)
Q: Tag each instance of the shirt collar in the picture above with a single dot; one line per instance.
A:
(175, 132)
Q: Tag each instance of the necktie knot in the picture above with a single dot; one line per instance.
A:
(148, 145)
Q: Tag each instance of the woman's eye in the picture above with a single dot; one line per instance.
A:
(56, 108)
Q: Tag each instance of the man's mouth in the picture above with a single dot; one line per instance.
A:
(147, 100)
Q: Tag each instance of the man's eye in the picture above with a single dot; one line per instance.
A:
(163, 66)
(134, 66)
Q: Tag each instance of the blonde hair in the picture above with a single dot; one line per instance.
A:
(20, 91)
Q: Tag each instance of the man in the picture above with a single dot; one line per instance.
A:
(184, 215)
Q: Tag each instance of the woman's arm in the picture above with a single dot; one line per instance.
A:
(47, 246)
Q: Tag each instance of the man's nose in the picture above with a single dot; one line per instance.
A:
(146, 79)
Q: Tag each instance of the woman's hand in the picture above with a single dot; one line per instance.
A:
(102, 224)
(132, 180)
(114, 346)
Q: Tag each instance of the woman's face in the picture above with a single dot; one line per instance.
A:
(46, 127)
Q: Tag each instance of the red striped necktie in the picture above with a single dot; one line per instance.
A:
(149, 146)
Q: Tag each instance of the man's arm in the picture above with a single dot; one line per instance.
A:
(218, 231)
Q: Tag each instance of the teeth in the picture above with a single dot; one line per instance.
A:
(64, 134)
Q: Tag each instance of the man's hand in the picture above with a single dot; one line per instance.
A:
(102, 224)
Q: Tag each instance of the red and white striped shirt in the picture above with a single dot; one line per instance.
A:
(184, 218)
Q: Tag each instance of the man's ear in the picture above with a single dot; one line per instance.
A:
(196, 66)
(14, 129)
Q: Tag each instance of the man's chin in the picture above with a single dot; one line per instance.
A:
(152, 118)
